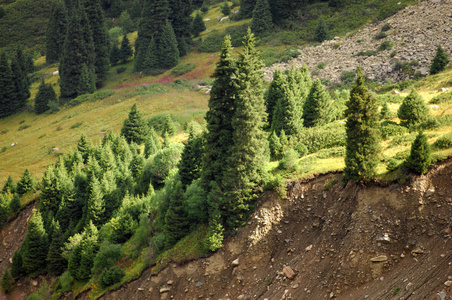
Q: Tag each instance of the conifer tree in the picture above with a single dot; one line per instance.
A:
(114, 53)
(116, 8)
(275, 93)
(135, 11)
(20, 76)
(413, 109)
(8, 90)
(9, 186)
(440, 61)
(419, 159)
(317, 109)
(56, 31)
(246, 8)
(214, 236)
(150, 61)
(25, 184)
(167, 51)
(262, 18)
(125, 51)
(17, 268)
(219, 118)
(56, 263)
(14, 205)
(247, 160)
(35, 245)
(321, 31)
(198, 25)
(176, 221)
(45, 95)
(126, 23)
(7, 281)
(152, 144)
(135, 128)
(84, 147)
(362, 144)
(181, 20)
(191, 159)
(78, 50)
(168, 126)
(95, 203)
(86, 82)
(275, 146)
(100, 38)
(4, 208)
(385, 112)
(225, 8)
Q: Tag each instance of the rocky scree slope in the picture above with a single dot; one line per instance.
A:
(381, 241)
(415, 33)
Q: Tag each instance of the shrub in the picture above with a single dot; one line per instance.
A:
(111, 276)
(76, 125)
(419, 159)
(393, 164)
(385, 27)
(204, 7)
(115, 33)
(278, 184)
(401, 140)
(321, 65)
(121, 70)
(289, 161)
(386, 45)
(402, 155)
(347, 77)
(6, 281)
(22, 127)
(329, 184)
(366, 53)
(442, 98)
(225, 9)
(212, 43)
(380, 35)
(65, 282)
(301, 149)
(392, 129)
(443, 142)
(440, 61)
(413, 109)
(389, 98)
(182, 69)
(328, 136)
(331, 152)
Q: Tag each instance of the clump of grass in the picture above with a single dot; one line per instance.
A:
(366, 53)
(22, 127)
(182, 69)
(329, 184)
(76, 125)
(4, 131)
(442, 98)
(380, 35)
(443, 142)
(321, 65)
(386, 45)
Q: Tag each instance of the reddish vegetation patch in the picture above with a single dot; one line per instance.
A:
(121, 86)
(164, 79)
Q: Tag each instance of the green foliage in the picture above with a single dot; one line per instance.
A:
(164, 161)
(114, 33)
(366, 53)
(9, 185)
(182, 69)
(419, 159)
(111, 276)
(214, 236)
(55, 33)
(276, 148)
(126, 22)
(393, 164)
(25, 184)
(86, 82)
(225, 8)
(443, 142)
(181, 21)
(6, 281)
(389, 129)
(168, 126)
(152, 144)
(321, 31)
(45, 95)
(327, 136)
(17, 268)
(262, 18)
(204, 7)
(195, 203)
(386, 45)
(4, 208)
(385, 27)
(442, 98)
(107, 256)
(8, 93)
(135, 11)
(246, 8)
(317, 109)
(331, 152)
(135, 128)
(385, 113)
(289, 161)
(116, 8)
(176, 221)
(380, 35)
(211, 43)
(14, 205)
(275, 93)
(35, 246)
(56, 263)
(167, 49)
(198, 25)
(278, 184)
(362, 136)
(413, 109)
(125, 51)
(190, 165)
(440, 61)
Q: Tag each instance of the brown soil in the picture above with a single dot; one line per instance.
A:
(328, 238)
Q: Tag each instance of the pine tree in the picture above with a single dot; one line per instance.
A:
(225, 8)
(20, 69)
(246, 8)
(125, 51)
(56, 31)
(8, 90)
(14, 205)
(275, 93)
(181, 20)
(114, 53)
(419, 159)
(317, 109)
(176, 221)
(440, 61)
(7, 281)
(362, 144)
(86, 82)
(95, 203)
(198, 25)
(168, 126)
(17, 268)
(321, 31)
(275, 146)
(116, 8)
(45, 95)
(247, 160)
(25, 184)
(413, 109)
(135, 11)
(190, 165)
(214, 236)
(100, 38)
(4, 208)
(84, 147)
(78, 50)
(35, 245)
(88, 247)
(135, 128)
(167, 51)
(385, 113)
(9, 186)
(152, 144)
(150, 61)
(56, 263)
(262, 18)
(219, 118)
(126, 23)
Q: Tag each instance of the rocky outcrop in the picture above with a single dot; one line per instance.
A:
(414, 34)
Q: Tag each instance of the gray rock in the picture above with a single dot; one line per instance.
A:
(441, 295)
(199, 283)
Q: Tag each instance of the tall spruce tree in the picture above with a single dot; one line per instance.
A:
(86, 82)
(167, 50)
(180, 18)
(8, 90)
(246, 8)
(176, 220)
(317, 109)
(26, 183)
(9, 186)
(440, 61)
(362, 134)
(191, 159)
(99, 32)
(246, 162)
(21, 85)
(219, 118)
(275, 93)
(35, 246)
(56, 263)
(114, 53)
(78, 50)
(95, 205)
(413, 109)
(198, 25)
(262, 18)
(419, 159)
(321, 31)
(125, 51)
(45, 95)
(135, 11)
(55, 33)
(135, 128)
(152, 144)
(126, 23)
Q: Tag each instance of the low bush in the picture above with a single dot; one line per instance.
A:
(402, 140)
(182, 69)
(380, 35)
(366, 53)
(389, 128)
(328, 136)
(22, 127)
(289, 161)
(111, 276)
(443, 142)
(121, 70)
(212, 43)
(389, 98)
(442, 98)
(385, 27)
(403, 155)
(393, 164)
(278, 184)
(331, 152)
(76, 125)
(386, 45)
(270, 56)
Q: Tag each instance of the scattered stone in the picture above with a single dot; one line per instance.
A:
(169, 282)
(34, 283)
(380, 258)
(447, 230)
(295, 286)
(199, 283)
(165, 290)
(235, 262)
(448, 283)
(441, 295)
(241, 297)
(417, 251)
(309, 248)
(408, 286)
(395, 92)
(288, 272)
(140, 289)
(442, 90)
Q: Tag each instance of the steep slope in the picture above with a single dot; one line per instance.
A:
(414, 35)
(359, 242)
